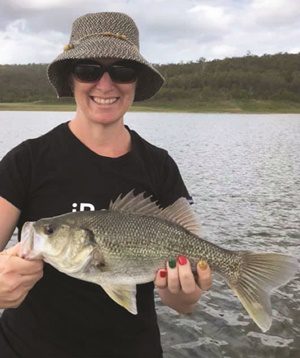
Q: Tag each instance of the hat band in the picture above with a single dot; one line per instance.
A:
(110, 34)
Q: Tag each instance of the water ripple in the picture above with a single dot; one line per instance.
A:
(243, 172)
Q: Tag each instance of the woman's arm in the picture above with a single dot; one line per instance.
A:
(17, 276)
(9, 216)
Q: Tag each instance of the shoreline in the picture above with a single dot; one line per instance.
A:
(232, 106)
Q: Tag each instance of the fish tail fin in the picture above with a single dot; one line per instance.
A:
(259, 274)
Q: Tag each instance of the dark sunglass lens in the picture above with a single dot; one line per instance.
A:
(88, 72)
(122, 74)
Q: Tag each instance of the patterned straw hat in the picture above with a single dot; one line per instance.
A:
(104, 35)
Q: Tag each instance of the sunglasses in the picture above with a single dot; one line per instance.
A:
(92, 72)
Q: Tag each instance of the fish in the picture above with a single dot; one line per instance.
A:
(126, 244)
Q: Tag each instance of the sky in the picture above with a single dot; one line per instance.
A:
(171, 31)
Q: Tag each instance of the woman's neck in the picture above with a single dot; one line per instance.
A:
(109, 140)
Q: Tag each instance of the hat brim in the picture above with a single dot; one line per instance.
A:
(149, 79)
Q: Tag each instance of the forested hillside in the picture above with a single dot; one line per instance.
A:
(268, 77)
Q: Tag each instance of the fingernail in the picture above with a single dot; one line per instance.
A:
(202, 264)
(182, 260)
(172, 263)
(163, 273)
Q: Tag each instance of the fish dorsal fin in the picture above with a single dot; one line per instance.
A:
(180, 212)
(135, 204)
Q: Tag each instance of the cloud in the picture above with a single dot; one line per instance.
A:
(180, 30)
(274, 13)
(18, 45)
(44, 4)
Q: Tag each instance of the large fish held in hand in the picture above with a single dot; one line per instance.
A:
(125, 245)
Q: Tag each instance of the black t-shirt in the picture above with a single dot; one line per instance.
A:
(63, 317)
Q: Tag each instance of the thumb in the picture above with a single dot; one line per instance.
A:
(12, 251)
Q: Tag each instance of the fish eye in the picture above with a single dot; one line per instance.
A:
(48, 230)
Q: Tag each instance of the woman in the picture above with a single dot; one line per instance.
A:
(82, 164)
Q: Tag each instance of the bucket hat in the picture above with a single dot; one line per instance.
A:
(104, 35)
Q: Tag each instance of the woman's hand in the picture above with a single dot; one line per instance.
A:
(178, 287)
(17, 277)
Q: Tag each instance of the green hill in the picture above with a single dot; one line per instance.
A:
(250, 83)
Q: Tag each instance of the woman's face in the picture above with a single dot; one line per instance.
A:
(103, 101)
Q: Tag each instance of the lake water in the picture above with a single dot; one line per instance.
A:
(243, 172)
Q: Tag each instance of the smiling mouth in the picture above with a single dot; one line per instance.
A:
(104, 101)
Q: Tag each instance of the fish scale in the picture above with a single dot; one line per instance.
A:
(140, 236)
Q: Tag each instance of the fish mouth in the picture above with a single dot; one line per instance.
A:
(30, 242)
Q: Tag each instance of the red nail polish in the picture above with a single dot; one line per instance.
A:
(163, 273)
(182, 260)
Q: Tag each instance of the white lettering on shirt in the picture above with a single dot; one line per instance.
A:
(83, 207)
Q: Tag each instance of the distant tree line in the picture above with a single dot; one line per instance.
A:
(275, 77)
(267, 77)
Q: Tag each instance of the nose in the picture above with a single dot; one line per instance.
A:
(105, 81)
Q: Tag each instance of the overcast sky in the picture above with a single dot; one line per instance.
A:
(171, 31)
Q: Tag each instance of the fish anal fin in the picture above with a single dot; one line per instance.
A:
(124, 295)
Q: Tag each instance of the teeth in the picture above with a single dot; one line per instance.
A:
(99, 100)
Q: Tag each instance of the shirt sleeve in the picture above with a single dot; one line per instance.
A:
(172, 185)
(15, 169)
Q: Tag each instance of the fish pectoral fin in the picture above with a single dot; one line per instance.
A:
(124, 295)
